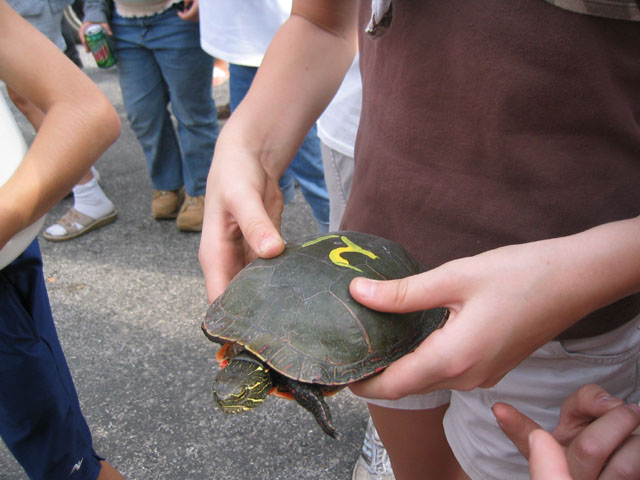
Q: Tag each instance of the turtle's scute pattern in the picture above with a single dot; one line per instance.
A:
(295, 311)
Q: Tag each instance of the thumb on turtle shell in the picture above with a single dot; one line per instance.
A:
(409, 294)
(422, 370)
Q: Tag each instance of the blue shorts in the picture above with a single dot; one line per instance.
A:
(40, 418)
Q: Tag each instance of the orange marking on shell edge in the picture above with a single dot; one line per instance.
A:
(222, 356)
(332, 393)
(279, 393)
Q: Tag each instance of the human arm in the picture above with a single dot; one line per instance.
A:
(595, 429)
(79, 123)
(97, 11)
(299, 75)
(504, 304)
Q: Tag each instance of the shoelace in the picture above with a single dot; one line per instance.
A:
(192, 201)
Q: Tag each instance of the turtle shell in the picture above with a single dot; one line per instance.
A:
(296, 314)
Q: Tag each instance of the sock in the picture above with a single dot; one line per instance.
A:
(91, 200)
(88, 199)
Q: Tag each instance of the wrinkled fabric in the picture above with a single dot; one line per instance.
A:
(478, 132)
(161, 63)
(40, 417)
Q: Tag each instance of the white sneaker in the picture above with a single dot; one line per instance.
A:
(373, 462)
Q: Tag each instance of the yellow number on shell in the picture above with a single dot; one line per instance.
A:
(335, 255)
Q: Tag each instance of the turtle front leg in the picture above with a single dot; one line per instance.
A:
(310, 397)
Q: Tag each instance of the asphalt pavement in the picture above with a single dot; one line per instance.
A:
(128, 300)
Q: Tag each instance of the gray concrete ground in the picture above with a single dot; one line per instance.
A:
(128, 300)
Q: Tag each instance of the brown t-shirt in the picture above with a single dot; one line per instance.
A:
(493, 122)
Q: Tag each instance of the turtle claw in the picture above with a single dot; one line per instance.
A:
(331, 431)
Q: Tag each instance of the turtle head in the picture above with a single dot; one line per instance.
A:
(242, 385)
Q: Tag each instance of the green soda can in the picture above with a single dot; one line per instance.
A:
(100, 46)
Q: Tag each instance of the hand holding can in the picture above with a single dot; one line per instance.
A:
(100, 46)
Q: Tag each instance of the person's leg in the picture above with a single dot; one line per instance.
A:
(287, 186)
(240, 78)
(70, 41)
(40, 417)
(186, 69)
(308, 171)
(91, 209)
(415, 442)
(146, 99)
(107, 472)
(95, 209)
(306, 167)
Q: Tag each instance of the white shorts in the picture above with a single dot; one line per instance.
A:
(537, 387)
(338, 175)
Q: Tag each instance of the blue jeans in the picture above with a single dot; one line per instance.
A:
(306, 167)
(160, 62)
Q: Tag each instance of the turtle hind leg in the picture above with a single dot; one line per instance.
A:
(310, 397)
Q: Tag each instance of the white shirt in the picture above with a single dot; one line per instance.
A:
(338, 124)
(239, 31)
(13, 150)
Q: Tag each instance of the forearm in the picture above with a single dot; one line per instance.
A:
(79, 123)
(549, 285)
(594, 268)
(96, 11)
(301, 72)
(69, 141)
(504, 304)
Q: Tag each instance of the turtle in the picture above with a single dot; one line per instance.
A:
(289, 326)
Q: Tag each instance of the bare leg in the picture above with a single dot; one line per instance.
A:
(107, 472)
(86, 178)
(416, 443)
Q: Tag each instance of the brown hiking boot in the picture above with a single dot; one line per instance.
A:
(166, 203)
(191, 213)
